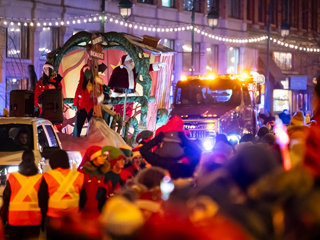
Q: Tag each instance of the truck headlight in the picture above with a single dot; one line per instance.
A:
(208, 145)
(13, 169)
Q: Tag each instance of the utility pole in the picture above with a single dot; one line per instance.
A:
(103, 7)
(192, 36)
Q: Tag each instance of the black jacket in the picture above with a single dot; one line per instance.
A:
(191, 151)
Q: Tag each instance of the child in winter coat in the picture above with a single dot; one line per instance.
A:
(114, 179)
(94, 165)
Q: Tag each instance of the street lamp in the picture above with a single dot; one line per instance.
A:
(125, 7)
(213, 18)
(285, 29)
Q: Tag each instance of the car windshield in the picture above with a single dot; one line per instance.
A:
(15, 137)
(223, 92)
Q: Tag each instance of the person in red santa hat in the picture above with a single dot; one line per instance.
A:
(94, 165)
(124, 77)
(49, 80)
(83, 99)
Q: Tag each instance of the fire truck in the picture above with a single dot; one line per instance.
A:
(215, 104)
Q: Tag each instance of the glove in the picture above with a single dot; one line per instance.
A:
(36, 109)
(74, 107)
(159, 137)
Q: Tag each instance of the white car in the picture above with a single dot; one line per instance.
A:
(19, 134)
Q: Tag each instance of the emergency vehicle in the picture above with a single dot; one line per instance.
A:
(215, 104)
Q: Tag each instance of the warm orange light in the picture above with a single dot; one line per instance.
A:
(210, 115)
(205, 115)
(183, 77)
(214, 115)
(210, 77)
(244, 75)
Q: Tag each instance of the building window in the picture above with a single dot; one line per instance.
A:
(187, 67)
(17, 41)
(233, 8)
(212, 3)
(314, 12)
(49, 40)
(168, 3)
(188, 4)
(233, 60)
(145, 1)
(212, 58)
(261, 10)
(305, 12)
(250, 10)
(283, 60)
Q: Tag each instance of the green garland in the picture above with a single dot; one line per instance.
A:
(134, 123)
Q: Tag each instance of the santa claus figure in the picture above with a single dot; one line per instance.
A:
(84, 99)
(123, 78)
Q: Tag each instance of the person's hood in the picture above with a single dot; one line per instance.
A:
(90, 167)
(174, 124)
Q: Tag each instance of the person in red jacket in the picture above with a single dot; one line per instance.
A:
(49, 80)
(94, 165)
(83, 99)
(114, 179)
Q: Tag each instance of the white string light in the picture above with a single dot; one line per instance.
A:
(154, 28)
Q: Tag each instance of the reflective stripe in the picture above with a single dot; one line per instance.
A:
(27, 189)
(66, 187)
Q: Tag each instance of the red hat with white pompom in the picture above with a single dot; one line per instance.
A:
(124, 58)
(48, 65)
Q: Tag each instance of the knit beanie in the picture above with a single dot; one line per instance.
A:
(114, 154)
(91, 153)
(126, 149)
(60, 159)
(298, 119)
(120, 217)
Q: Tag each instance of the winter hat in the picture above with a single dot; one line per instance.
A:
(307, 117)
(262, 131)
(48, 65)
(124, 58)
(60, 159)
(298, 119)
(91, 153)
(120, 217)
(136, 151)
(144, 136)
(114, 154)
(126, 149)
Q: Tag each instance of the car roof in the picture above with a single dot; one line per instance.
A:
(23, 120)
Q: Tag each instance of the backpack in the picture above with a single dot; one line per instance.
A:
(170, 147)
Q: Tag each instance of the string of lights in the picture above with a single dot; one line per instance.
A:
(47, 23)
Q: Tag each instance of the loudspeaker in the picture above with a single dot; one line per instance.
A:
(21, 103)
(52, 105)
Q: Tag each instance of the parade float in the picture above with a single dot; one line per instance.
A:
(104, 54)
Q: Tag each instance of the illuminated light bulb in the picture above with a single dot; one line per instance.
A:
(286, 45)
(100, 17)
(311, 49)
(162, 30)
(175, 29)
(5, 23)
(90, 20)
(198, 31)
(206, 34)
(68, 22)
(233, 40)
(282, 43)
(85, 20)
(153, 29)
(271, 38)
(223, 39)
(111, 19)
(209, 35)
(246, 40)
(44, 24)
(94, 19)
(171, 29)
(318, 50)
(195, 29)
(116, 21)
(158, 30)
(149, 29)
(25, 24)
(145, 28)
(237, 40)
(73, 21)
(278, 42)
(130, 25)
(140, 27)
(182, 28)
(31, 24)
(19, 23)
(220, 38)
(167, 30)
(126, 24)
(274, 40)
(79, 21)
(57, 23)
(38, 24)
(135, 26)
(121, 23)
(188, 28)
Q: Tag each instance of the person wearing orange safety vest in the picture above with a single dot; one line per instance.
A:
(59, 193)
(20, 200)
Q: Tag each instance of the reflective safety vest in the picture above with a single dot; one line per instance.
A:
(64, 187)
(24, 205)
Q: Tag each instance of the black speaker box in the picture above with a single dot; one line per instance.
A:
(52, 105)
(21, 103)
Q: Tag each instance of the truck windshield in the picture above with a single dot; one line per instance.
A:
(15, 137)
(204, 93)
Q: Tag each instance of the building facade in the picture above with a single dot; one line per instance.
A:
(31, 29)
